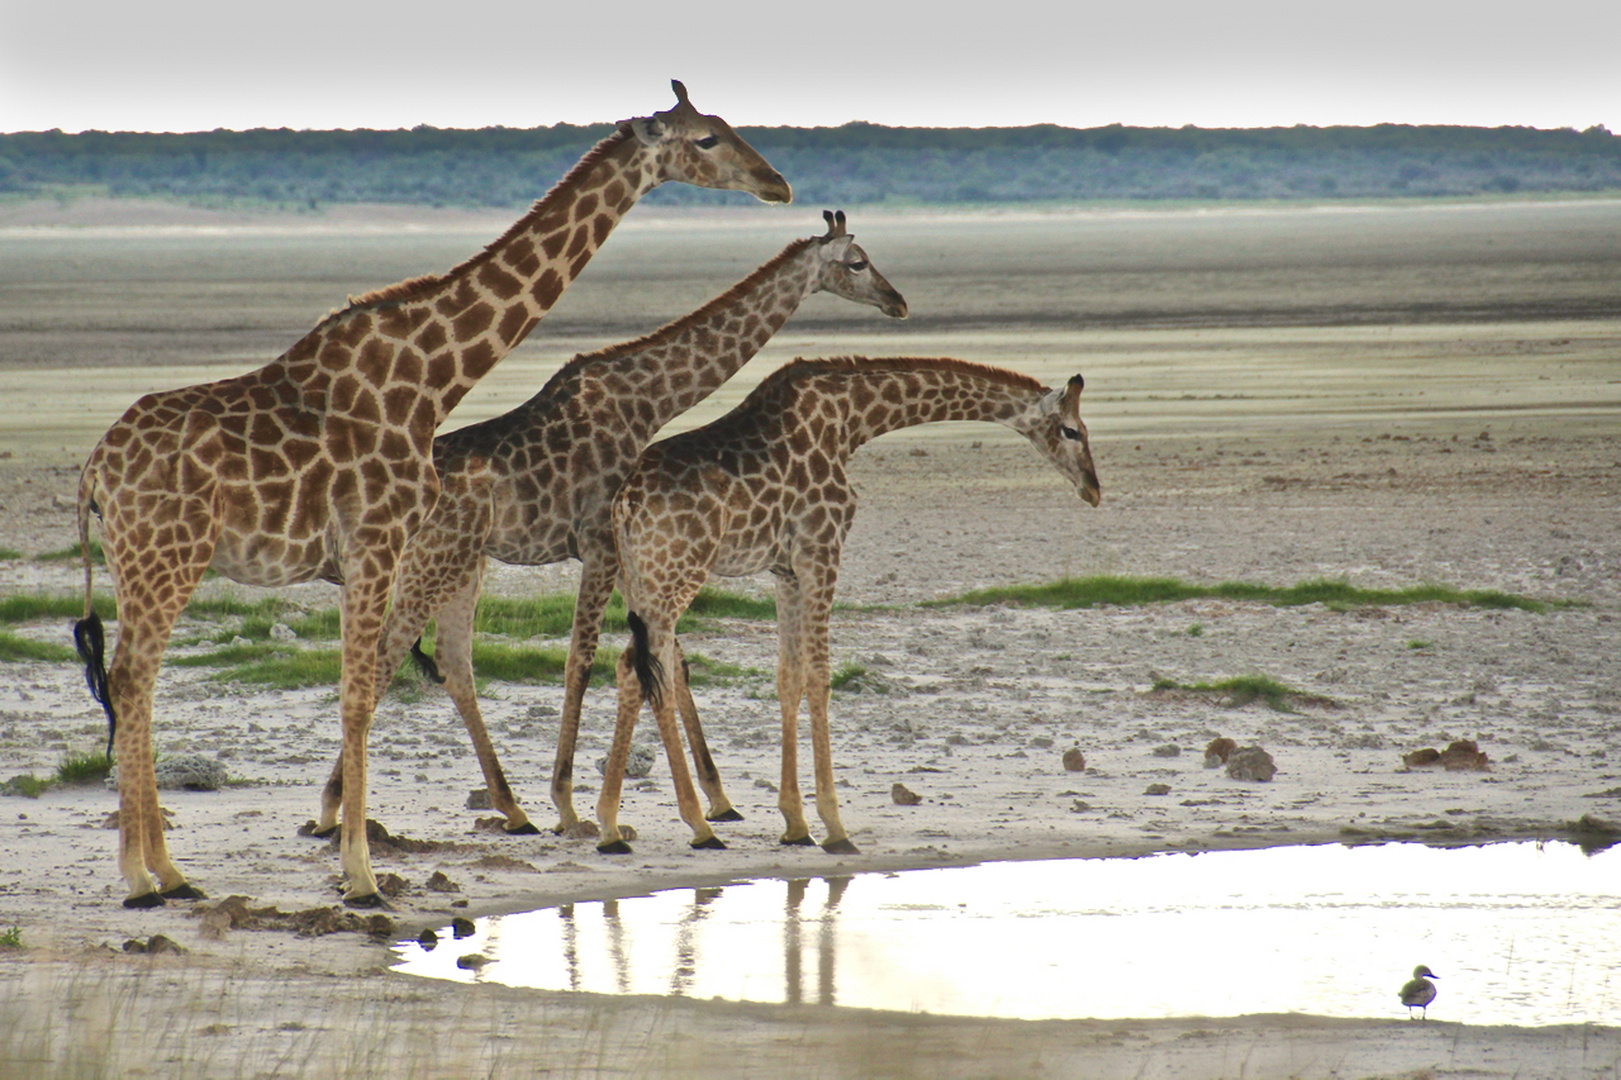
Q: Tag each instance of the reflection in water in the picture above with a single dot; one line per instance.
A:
(1524, 933)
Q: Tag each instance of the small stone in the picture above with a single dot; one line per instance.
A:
(1218, 751)
(1418, 759)
(479, 799)
(1157, 789)
(428, 939)
(904, 796)
(440, 883)
(462, 927)
(189, 772)
(1168, 750)
(1074, 760)
(1251, 763)
(471, 962)
(283, 633)
(638, 763)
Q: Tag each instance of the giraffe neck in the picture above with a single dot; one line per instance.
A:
(865, 398)
(437, 336)
(682, 363)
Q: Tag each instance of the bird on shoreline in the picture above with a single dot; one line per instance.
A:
(1419, 991)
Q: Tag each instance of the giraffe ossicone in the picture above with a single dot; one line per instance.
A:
(318, 465)
(535, 486)
(764, 488)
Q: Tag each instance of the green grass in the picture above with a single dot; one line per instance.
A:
(27, 785)
(12, 939)
(27, 607)
(83, 768)
(72, 552)
(11, 553)
(1247, 689)
(14, 648)
(1416, 644)
(1135, 591)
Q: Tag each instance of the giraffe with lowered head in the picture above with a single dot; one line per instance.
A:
(319, 465)
(765, 488)
(535, 486)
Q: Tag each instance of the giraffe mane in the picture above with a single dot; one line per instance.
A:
(417, 287)
(801, 367)
(687, 321)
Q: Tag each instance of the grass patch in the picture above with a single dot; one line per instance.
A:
(97, 557)
(12, 939)
(707, 672)
(11, 553)
(27, 785)
(1134, 591)
(719, 604)
(1415, 644)
(28, 607)
(1246, 690)
(14, 649)
(83, 768)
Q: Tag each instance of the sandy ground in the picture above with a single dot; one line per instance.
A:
(972, 707)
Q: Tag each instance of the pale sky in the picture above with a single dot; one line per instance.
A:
(189, 65)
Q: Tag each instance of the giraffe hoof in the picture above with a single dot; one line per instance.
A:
(713, 843)
(319, 833)
(797, 841)
(841, 846)
(367, 900)
(526, 829)
(728, 814)
(184, 891)
(145, 900)
(614, 847)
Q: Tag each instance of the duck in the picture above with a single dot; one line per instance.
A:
(1419, 991)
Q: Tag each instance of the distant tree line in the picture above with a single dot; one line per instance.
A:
(854, 164)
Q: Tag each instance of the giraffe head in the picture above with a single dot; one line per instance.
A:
(1059, 433)
(846, 271)
(692, 148)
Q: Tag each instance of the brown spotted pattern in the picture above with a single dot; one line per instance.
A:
(535, 486)
(319, 465)
(764, 488)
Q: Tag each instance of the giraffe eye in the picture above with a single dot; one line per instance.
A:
(1072, 434)
(858, 265)
(708, 142)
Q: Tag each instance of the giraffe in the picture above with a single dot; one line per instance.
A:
(764, 488)
(318, 465)
(535, 486)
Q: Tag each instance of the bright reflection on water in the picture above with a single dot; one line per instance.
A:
(1520, 933)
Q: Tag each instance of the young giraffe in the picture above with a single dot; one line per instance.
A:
(536, 485)
(764, 488)
(319, 464)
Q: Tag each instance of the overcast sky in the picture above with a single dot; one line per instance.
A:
(189, 65)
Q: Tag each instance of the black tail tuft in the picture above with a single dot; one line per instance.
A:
(649, 671)
(91, 644)
(425, 662)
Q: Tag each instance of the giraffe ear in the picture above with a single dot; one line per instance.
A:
(647, 129)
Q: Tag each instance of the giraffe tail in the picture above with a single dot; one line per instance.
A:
(89, 640)
(425, 662)
(649, 671)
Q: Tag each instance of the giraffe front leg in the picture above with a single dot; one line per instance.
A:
(596, 588)
(612, 840)
(720, 807)
(454, 658)
(790, 689)
(365, 595)
(817, 578)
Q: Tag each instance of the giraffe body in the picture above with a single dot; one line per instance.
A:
(319, 465)
(535, 486)
(764, 488)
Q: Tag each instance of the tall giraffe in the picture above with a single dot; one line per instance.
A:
(536, 485)
(764, 488)
(319, 465)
